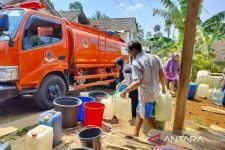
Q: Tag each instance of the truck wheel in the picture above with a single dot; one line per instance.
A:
(52, 87)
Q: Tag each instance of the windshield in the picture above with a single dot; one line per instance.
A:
(15, 17)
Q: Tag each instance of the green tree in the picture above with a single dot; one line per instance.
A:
(140, 32)
(210, 31)
(173, 15)
(213, 29)
(77, 6)
(157, 33)
(148, 35)
(98, 15)
(157, 28)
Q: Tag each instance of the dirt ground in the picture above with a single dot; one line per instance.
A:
(194, 114)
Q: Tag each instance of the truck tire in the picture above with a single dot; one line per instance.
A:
(52, 87)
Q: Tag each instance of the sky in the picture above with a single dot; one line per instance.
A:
(141, 9)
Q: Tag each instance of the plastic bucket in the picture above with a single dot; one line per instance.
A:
(91, 137)
(69, 107)
(192, 90)
(98, 95)
(84, 99)
(93, 112)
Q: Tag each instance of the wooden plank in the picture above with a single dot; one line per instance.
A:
(213, 110)
(116, 146)
(217, 128)
(186, 63)
(210, 141)
(7, 131)
(212, 134)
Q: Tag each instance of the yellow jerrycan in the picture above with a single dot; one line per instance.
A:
(164, 107)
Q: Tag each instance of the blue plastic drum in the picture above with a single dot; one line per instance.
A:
(192, 90)
(84, 99)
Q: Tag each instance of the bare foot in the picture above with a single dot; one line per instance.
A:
(136, 134)
(132, 122)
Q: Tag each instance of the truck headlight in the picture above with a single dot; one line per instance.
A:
(8, 73)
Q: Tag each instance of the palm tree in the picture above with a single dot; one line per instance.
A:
(157, 28)
(140, 31)
(157, 33)
(207, 32)
(148, 35)
(77, 6)
(98, 15)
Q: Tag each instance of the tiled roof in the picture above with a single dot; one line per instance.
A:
(117, 24)
(71, 15)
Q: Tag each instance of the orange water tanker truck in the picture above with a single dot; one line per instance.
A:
(45, 55)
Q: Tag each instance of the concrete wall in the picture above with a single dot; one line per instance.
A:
(128, 36)
(219, 48)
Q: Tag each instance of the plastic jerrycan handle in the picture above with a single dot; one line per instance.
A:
(48, 116)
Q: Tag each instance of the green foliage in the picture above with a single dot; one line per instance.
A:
(162, 46)
(99, 15)
(75, 6)
(203, 62)
(157, 28)
(208, 32)
(148, 35)
(140, 32)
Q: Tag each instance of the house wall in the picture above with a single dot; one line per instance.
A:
(128, 36)
(124, 36)
(219, 48)
(220, 55)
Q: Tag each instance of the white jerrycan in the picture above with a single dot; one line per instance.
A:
(109, 108)
(217, 96)
(40, 138)
(164, 107)
(202, 90)
(122, 108)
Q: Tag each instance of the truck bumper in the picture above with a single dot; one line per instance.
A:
(7, 91)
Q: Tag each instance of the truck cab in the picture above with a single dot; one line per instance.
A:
(31, 46)
(43, 55)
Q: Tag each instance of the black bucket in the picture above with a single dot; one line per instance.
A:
(91, 137)
(98, 95)
(69, 107)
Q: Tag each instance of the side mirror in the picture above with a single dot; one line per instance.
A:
(4, 22)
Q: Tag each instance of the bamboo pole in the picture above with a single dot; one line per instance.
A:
(186, 63)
